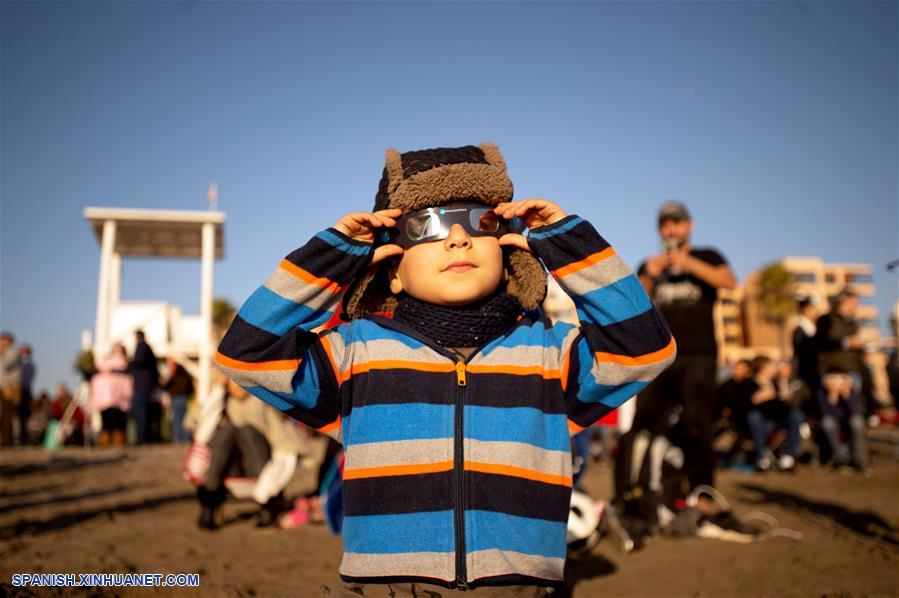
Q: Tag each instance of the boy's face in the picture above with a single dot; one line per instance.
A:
(454, 271)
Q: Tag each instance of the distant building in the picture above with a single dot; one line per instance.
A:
(819, 281)
(729, 328)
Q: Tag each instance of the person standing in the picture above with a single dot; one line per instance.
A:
(805, 352)
(28, 372)
(180, 386)
(683, 281)
(111, 391)
(10, 385)
(839, 342)
(145, 374)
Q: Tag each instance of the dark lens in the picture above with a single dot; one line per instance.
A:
(421, 226)
(484, 220)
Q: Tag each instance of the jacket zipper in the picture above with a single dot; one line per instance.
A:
(458, 478)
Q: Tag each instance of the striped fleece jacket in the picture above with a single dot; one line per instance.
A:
(457, 473)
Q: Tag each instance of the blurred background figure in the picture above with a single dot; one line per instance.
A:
(683, 281)
(72, 425)
(29, 370)
(111, 389)
(839, 342)
(771, 408)
(842, 412)
(179, 385)
(238, 435)
(805, 352)
(40, 418)
(145, 374)
(10, 385)
(732, 399)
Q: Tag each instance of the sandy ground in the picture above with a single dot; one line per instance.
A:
(113, 510)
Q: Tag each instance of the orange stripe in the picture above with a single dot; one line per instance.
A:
(325, 283)
(566, 363)
(573, 427)
(584, 263)
(329, 427)
(516, 370)
(390, 364)
(395, 470)
(647, 359)
(258, 366)
(518, 472)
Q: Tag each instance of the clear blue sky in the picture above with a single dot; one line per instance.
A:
(775, 122)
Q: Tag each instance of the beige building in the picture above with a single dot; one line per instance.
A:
(819, 281)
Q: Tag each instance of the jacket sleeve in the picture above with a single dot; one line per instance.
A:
(270, 348)
(623, 342)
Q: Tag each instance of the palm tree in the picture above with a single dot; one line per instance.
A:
(776, 298)
(223, 313)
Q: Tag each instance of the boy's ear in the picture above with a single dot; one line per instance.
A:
(396, 285)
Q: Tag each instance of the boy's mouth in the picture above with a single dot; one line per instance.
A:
(460, 266)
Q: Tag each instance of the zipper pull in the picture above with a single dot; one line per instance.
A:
(460, 374)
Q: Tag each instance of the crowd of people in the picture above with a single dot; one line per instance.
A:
(116, 390)
(823, 393)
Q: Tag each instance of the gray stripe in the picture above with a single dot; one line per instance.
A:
(290, 287)
(613, 373)
(338, 348)
(488, 563)
(518, 454)
(376, 350)
(275, 381)
(400, 452)
(599, 275)
(522, 356)
(440, 565)
(550, 357)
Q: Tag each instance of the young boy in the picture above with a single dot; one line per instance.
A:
(455, 412)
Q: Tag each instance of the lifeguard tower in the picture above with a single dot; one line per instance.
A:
(176, 234)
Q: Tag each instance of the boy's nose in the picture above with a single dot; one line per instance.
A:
(458, 238)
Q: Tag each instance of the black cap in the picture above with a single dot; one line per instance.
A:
(673, 210)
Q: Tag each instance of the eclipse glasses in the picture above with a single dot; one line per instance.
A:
(434, 224)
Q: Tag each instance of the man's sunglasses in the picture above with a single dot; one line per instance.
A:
(434, 224)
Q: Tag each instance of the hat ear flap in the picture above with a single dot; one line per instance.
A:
(491, 153)
(394, 164)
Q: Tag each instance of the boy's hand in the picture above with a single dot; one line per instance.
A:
(361, 226)
(534, 212)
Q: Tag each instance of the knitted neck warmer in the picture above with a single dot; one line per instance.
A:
(467, 326)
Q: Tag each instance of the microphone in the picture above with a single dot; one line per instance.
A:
(670, 246)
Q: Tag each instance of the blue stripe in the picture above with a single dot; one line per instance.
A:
(272, 398)
(305, 384)
(488, 530)
(405, 421)
(517, 424)
(613, 303)
(535, 335)
(431, 531)
(610, 396)
(335, 241)
(365, 331)
(273, 313)
(545, 234)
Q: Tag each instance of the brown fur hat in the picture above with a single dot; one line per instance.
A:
(432, 177)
